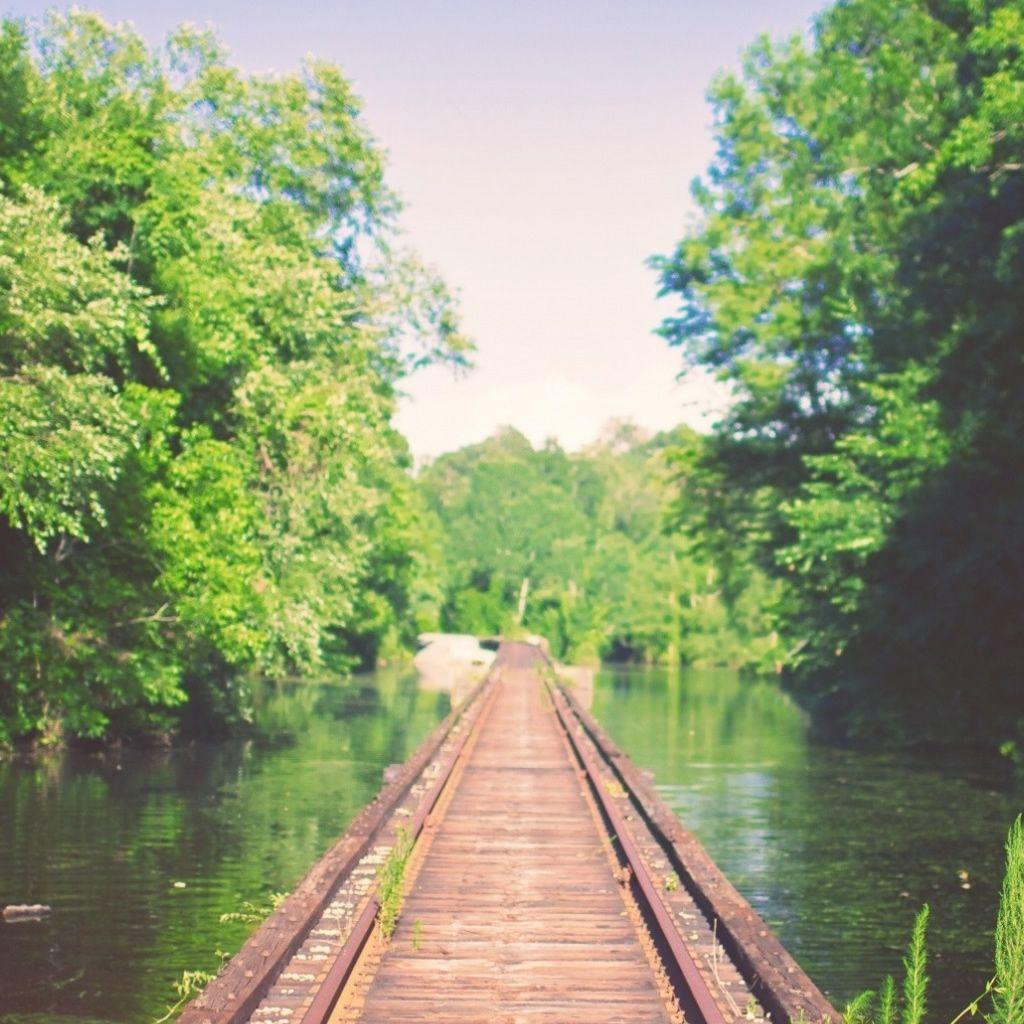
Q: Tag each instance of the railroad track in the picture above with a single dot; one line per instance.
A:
(333, 986)
(537, 889)
(691, 991)
(689, 988)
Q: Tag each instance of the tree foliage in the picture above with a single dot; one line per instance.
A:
(572, 546)
(203, 320)
(856, 277)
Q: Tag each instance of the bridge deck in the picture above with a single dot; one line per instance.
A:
(547, 882)
(516, 913)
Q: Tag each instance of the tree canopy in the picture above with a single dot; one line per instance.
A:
(856, 276)
(573, 547)
(204, 315)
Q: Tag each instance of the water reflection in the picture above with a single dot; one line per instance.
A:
(103, 838)
(836, 849)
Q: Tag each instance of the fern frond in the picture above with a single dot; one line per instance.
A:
(858, 1009)
(1008, 1000)
(915, 982)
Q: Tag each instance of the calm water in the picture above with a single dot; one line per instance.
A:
(836, 849)
(103, 839)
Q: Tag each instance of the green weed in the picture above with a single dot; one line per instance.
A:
(1008, 999)
(1004, 992)
(915, 983)
(254, 913)
(392, 882)
(188, 987)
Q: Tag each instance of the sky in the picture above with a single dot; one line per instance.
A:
(543, 150)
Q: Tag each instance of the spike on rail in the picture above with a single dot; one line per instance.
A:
(543, 880)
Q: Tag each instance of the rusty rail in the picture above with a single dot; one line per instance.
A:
(319, 1011)
(691, 990)
(236, 992)
(777, 980)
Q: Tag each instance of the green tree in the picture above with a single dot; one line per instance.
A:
(203, 322)
(576, 542)
(856, 279)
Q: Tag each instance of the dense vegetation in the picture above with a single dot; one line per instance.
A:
(203, 319)
(573, 547)
(856, 276)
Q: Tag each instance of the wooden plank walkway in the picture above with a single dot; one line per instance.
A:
(547, 882)
(516, 913)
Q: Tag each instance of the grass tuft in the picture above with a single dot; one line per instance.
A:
(915, 982)
(391, 888)
(1008, 996)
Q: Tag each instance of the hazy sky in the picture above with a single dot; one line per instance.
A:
(544, 151)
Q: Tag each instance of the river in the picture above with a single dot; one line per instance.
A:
(140, 852)
(836, 849)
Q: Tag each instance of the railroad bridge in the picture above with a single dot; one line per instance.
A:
(518, 869)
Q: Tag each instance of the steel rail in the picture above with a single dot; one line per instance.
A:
(330, 991)
(694, 995)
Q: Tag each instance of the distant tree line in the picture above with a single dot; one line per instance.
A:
(203, 319)
(858, 278)
(574, 547)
